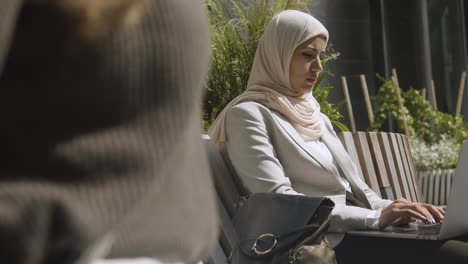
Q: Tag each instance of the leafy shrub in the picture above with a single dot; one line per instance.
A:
(421, 114)
(453, 126)
(386, 104)
(435, 137)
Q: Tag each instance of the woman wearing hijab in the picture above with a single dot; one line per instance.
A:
(278, 141)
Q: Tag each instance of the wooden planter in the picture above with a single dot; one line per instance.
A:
(435, 185)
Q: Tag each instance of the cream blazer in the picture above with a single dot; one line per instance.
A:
(269, 156)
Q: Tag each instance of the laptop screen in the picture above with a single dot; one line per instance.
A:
(456, 215)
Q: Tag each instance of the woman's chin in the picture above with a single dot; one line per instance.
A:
(304, 93)
(304, 89)
(307, 89)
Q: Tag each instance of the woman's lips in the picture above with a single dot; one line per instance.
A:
(310, 79)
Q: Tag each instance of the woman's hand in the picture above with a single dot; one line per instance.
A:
(404, 211)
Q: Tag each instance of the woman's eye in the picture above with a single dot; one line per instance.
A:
(307, 55)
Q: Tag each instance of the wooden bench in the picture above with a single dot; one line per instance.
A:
(229, 192)
(385, 162)
(383, 158)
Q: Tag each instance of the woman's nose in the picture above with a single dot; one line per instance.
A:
(317, 65)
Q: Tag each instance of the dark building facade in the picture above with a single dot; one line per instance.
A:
(423, 40)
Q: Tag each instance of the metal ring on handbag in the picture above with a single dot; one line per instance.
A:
(263, 252)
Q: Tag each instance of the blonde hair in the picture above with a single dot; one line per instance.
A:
(98, 17)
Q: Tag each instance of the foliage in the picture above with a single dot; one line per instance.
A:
(421, 113)
(236, 27)
(442, 154)
(386, 104)
(332, 111)
(450, 125)
(436, 137)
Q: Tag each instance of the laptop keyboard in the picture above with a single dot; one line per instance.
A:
(416, 228)
(428, 229)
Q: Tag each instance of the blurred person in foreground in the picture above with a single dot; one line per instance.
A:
(100, 118)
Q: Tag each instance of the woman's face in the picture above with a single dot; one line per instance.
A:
(305, 64)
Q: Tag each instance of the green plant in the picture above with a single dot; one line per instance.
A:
(236, 28)
(435, 137)
(450, 125)
(386, 104)
(421, 113)
(321, 94)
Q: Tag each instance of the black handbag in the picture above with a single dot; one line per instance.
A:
(282, 229)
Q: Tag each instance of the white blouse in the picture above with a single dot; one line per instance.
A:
(329, 157)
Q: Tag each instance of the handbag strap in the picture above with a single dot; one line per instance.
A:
(316, 228)
(320, 230)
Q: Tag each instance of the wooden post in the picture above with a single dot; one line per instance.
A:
(423, 93)
(400, 101)
(461, 89)
(434, 101)
(370, 114)
(348, 104)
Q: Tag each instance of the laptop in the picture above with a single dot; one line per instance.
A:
(456, 214)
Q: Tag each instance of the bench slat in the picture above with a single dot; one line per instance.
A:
(365, 159)
(390, 163)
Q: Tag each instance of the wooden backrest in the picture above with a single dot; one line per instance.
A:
(383, 158)
(227, 184)
(228, 196)
(385, 162)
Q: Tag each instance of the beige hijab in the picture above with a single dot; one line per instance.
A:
(269, 79)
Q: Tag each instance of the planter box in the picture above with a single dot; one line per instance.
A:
(435, 185)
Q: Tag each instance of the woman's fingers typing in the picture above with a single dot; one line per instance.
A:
(396, 211)
(421, 210)
(402, 211)
(437, 212)
(409, 212)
